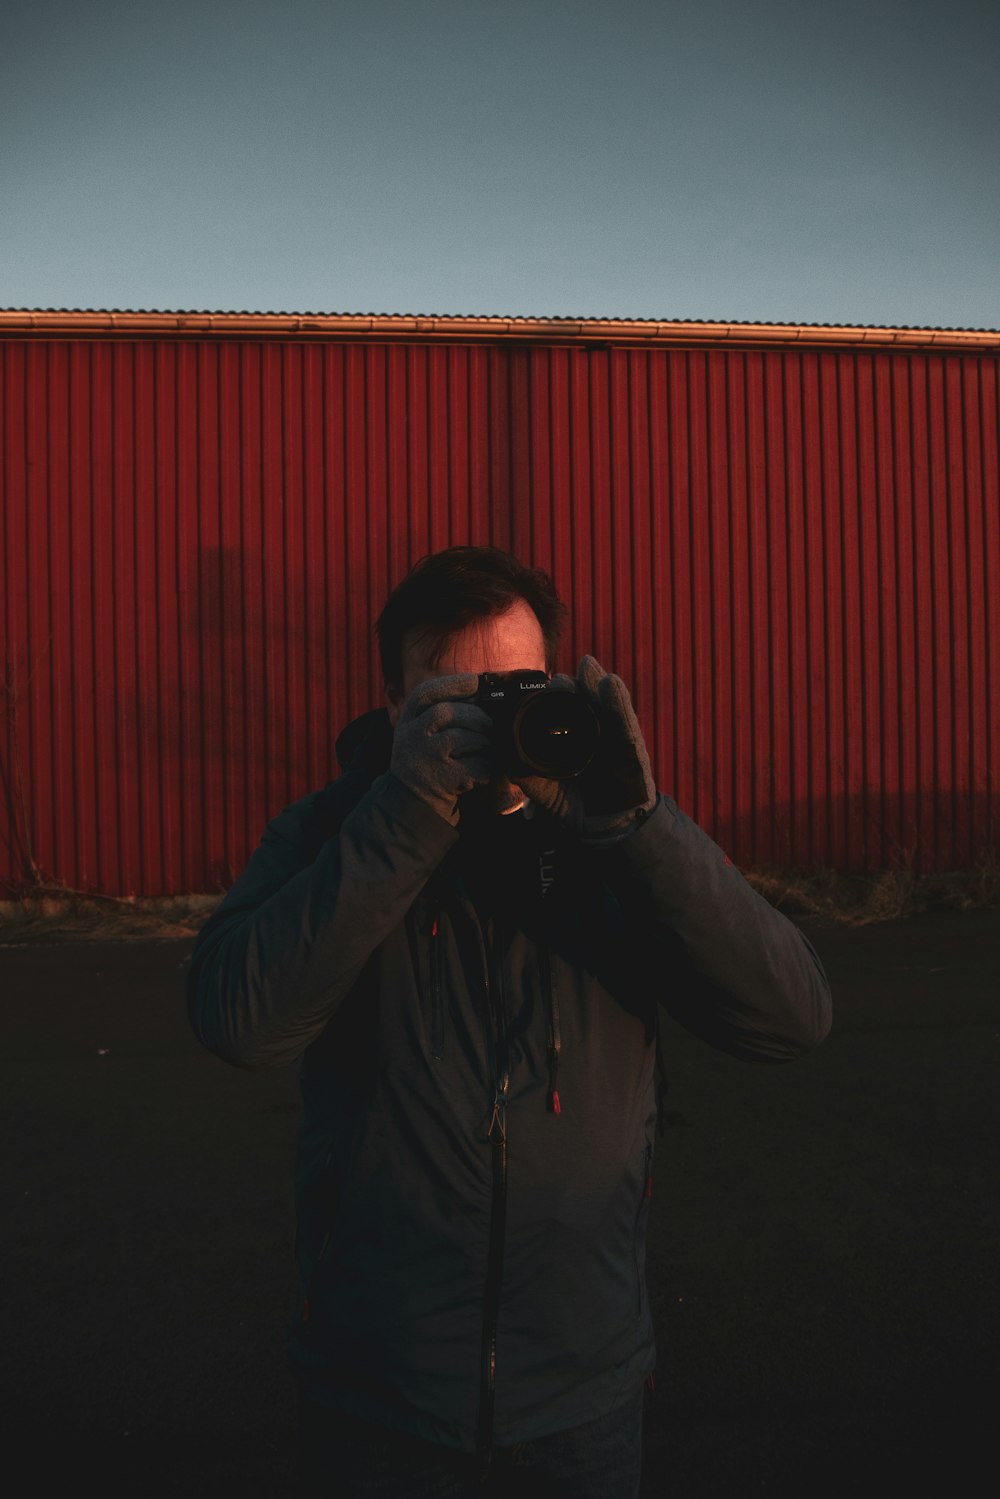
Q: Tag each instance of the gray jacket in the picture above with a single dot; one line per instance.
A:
(475, 1020)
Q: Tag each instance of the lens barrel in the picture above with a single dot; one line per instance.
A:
(555, 734)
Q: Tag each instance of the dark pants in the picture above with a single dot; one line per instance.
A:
(338, 1455)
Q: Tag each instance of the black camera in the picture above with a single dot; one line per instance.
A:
(539, 730)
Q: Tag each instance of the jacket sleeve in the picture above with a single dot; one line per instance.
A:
(275, 960)
(732, 969)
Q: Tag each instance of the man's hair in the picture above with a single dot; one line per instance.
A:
(447, 591)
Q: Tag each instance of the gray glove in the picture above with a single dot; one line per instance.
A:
(609, 799)
(441, 747)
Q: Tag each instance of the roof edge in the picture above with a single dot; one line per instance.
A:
(451, 328)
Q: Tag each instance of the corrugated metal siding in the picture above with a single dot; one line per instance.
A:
(792, 556)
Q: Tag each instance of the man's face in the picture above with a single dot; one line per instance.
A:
(508, 642)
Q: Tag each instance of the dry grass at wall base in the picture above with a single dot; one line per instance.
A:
(859, 899)
(53, 913)
(56, 914)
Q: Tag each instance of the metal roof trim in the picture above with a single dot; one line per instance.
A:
(451, 327)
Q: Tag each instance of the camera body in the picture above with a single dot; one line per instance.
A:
(539, 730)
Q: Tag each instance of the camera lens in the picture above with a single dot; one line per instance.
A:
(556, 734)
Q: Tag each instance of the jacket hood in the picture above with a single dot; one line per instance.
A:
(366, 743)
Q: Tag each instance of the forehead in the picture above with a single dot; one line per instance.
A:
(503, 643)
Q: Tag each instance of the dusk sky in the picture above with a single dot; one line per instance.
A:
(774, 160)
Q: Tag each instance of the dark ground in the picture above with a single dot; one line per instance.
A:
(824, 1244)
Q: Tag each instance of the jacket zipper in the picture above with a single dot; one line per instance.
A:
(437, 995)
(647, 1193)
(314, 1273)
(555, 1040)
(497, 1136)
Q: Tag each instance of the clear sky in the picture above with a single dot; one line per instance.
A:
(773, 160)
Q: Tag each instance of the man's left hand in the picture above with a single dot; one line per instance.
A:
(608, 799)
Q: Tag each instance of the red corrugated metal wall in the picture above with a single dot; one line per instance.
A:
(792, 556)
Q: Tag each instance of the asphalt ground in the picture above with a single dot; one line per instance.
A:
(823, 1254)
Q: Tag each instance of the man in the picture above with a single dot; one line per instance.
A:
(468, 969)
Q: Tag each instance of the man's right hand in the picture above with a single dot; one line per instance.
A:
(441, 746)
